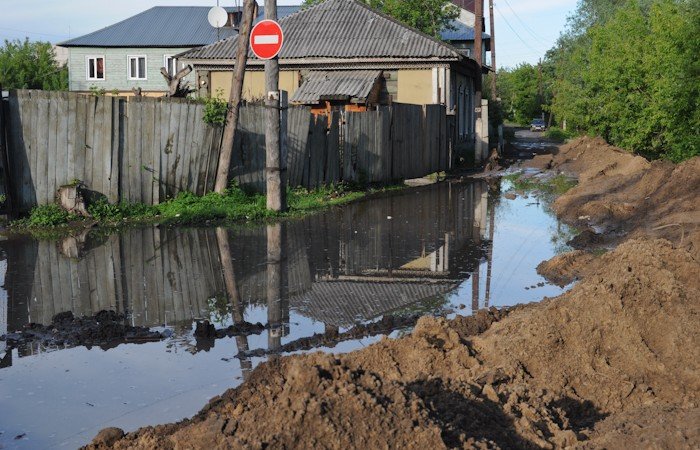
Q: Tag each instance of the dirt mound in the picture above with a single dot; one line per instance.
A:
(615, 339)
(627, 196)
(588, 158)
(597, 366)
(567, 267)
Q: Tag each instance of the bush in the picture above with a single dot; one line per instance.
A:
(215, 110)
(558, 134)
(49, 216)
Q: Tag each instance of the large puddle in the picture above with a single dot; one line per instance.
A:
(444, 249)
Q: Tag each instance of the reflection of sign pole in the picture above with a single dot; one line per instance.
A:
(268, 40)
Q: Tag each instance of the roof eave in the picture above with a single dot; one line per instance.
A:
(190, 46)
(320, 61)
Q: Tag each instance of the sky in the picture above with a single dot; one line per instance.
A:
(525, 29)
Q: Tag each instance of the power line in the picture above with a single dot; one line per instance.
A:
(513, 30)
(527, 28)
(63, 36)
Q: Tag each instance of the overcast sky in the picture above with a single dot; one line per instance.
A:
(524, 29)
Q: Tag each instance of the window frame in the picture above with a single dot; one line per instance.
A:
(128, 67)
(175, 62)
(87, 67)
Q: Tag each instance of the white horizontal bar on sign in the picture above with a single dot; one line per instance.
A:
(266, 39)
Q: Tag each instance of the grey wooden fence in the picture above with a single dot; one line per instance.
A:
(147, 150)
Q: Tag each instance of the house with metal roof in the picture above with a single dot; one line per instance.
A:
(130, 54)
(331, 42)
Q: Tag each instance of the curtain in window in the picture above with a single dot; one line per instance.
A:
(100, 68)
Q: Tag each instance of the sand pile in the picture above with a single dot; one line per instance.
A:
(627, 196)
(612, 363)
(592, 367)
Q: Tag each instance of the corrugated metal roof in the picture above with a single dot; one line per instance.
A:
(344, 303)
(335, 85)
(460, 32)
(164, 26)
(341, 29)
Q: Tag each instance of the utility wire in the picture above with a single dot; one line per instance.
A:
(526, 27)
(515, 32)
(63, 36)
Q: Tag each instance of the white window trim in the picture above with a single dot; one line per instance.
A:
(87, 67)
(128, 67)
(165, 63)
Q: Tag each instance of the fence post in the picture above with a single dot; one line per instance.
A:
(4, 158)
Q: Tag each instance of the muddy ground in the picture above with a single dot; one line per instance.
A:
(612, 363)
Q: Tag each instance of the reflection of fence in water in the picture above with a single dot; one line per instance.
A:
(165, 275)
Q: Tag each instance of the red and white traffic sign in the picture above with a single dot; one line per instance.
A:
(266, 39)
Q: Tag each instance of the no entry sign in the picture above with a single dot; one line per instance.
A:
(266, 39)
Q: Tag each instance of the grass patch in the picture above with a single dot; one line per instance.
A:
(235, 205)
(556, 185)
(558, 134)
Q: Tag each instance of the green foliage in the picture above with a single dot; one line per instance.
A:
(558, 134)
(629, 71)
(556, 185)
(97, 91)
(31, 65)
(519, 90)
(47, 216)
(215, 110)
(234, 205)
(428, 16)
(103, 211)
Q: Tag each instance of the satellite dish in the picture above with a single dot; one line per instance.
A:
(217, 17)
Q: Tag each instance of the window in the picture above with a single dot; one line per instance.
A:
(136, 67)
(95, 68)
(170, 65)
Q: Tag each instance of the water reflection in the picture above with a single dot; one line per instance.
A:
(432, 250)
(341, 267)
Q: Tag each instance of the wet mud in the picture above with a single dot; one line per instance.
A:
(106, 329)
(612, 363)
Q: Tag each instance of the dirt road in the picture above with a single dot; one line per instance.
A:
(612, 363)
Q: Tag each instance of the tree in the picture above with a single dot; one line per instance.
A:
(630, 74)
(31, 65)
(428, 16)
(520, 93)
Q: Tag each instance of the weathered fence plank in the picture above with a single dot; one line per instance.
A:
(298, 120)
(146, 150)
(333, 150)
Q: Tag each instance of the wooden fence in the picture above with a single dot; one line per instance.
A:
(147, 150)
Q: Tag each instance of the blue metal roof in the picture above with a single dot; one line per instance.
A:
(164, 26)
(461, 32)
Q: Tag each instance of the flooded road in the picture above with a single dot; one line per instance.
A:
(445, 249)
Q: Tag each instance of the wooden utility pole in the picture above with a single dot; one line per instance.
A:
(249, 7)
(478, 53)
(540, 96)
(478, 32)
(275, 160)
(494, 93)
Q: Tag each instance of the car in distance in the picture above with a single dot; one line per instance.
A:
(537, 125)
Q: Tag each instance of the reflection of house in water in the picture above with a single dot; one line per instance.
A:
(347, 265)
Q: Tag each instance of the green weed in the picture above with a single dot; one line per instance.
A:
(235, 205)
(46, 216)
